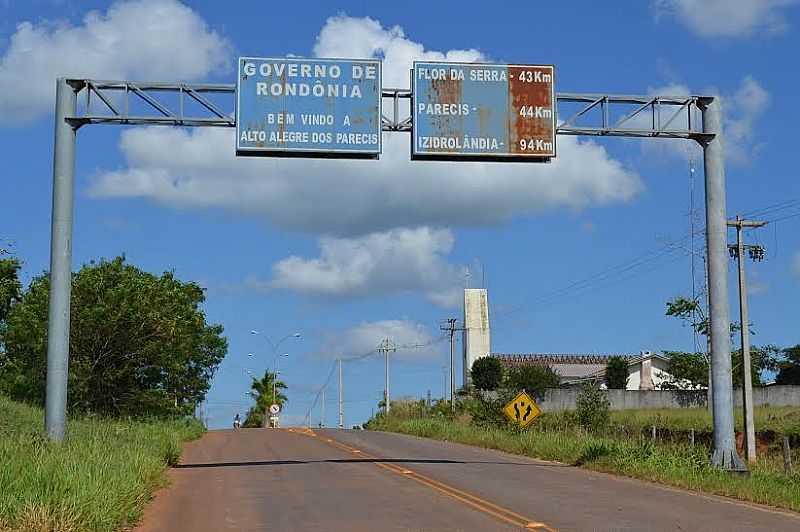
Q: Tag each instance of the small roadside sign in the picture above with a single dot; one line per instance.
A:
(274, 409)
(522, 410)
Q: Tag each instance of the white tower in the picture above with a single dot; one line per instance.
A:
(477, 342)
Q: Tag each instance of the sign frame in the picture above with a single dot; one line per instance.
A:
(309, 153)
(472, 156)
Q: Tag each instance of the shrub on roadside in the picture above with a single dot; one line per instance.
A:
(592, 408)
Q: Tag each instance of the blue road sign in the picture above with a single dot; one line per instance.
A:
(308, 107)
(482, 111)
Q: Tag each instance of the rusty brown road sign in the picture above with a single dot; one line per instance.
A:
(483, 111)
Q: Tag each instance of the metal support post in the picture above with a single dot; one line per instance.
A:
(322, 410)
(341, 397)
(386, 406)
(744, 320)
(386, 347)
(724, 451)
(452, 366)
(451, 330)
(60, 262)
(747, 384)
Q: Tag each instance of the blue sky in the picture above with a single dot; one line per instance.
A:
(576, 254)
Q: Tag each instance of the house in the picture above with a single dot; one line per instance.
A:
(646, 370)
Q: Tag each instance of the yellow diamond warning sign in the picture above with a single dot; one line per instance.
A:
(522, 410)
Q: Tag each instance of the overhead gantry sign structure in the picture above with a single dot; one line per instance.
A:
(509, 119)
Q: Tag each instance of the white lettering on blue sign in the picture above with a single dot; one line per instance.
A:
(286, 105)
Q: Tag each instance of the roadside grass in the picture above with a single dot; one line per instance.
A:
(99, 479)
(779, 420)
(675, 464)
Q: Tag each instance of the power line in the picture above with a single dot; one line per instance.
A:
(319, 392)
(638, 264)
(770, 209)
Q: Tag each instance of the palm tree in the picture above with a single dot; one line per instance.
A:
(262, 392)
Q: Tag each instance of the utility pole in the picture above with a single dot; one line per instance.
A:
(322, 412)
(756, 253)
(386, 347)
(451, 328)
(341, 397)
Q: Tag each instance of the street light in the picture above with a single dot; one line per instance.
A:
(275, 377)
(275, 346)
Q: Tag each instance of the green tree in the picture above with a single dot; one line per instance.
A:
(533, 378)
(762, 358)
(487, 373)
(690, 370)
(691, 312)
(688, 364)
(789, 367)
(139, 343)
(686, 370)
(616, 373)
(10, 286)
(261, 390)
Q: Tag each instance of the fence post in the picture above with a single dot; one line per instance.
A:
(691, 436)
(653, 432)
(787, 456)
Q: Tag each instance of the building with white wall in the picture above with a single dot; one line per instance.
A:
(646, 371)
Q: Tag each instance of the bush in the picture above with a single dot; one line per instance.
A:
(486, 412)
(617, 373)
(487, 373)
(592, 408)
(533, 378)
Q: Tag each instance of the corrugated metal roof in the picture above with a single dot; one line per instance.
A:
(513, 359)
(570, 365)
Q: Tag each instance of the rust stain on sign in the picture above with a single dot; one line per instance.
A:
(448, 91)
(490, 111)
(531, 110)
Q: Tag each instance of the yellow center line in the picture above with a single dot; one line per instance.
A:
(482, 505)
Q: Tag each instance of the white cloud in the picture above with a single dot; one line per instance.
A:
(199, 169)
(394, 262)
(741, 111)
(344, 36)
(728, 18)
(412, 339)
(137, 39)
(756, 286)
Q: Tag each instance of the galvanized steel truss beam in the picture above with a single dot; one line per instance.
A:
(113, 102)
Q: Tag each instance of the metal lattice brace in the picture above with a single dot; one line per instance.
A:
(109, 102)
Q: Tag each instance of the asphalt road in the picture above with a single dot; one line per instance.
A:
(329, 480)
